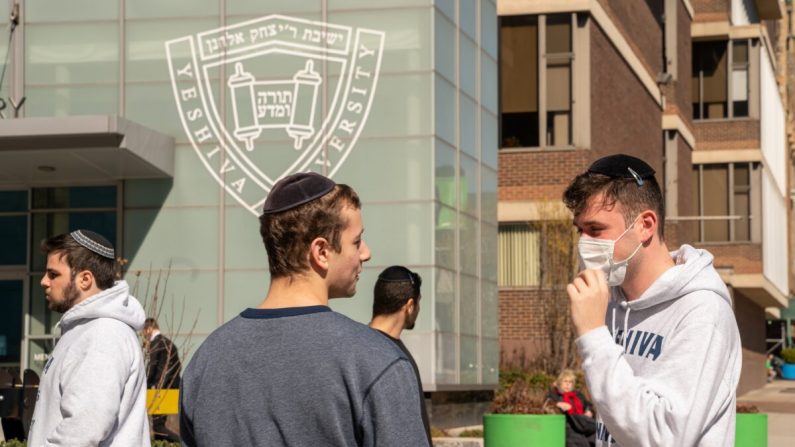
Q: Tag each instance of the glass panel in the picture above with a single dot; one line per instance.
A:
(47, 225)
(489, 139)
(444, 42)
(138, 9)
(488, 194)
(146, 51)
(14, 230)
(468, 126)
(488, 28)
(407, 161)
(73, 10)
(740, 52)
(67, 101)
(71, 53)
(519, 81)
(470, 246)
(559, 33)
(407, 34)
(468, 17)
(488, 84)
(153, 105)
(185, 231)
(740, 92)
(741, 177)
(469, 306)
(488, 249)
(470, 366)
(710, 62)
(489, 309)
(491, 360)
(75, 197)
(11, 292)
(742, 208)
(255, 7)
(13, 201)
(445, 300)
(444, 109)
(468, 70)
(406, 224)
(468, 198)
(446, 364)
(559, 105)
(716, 202)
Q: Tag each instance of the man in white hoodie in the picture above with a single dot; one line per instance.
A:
(93, 387)
(660, 346)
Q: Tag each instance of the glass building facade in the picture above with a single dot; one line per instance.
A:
(420, 149)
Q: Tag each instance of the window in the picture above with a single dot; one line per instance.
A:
(726, 201)
(536, 54)
(720, 79)
(519, 253)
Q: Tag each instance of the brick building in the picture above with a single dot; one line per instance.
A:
(694, 87)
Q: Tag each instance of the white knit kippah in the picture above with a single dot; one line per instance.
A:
(94, 242)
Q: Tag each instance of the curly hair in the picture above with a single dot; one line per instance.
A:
(288, 234)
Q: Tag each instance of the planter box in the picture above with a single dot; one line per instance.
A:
(751, 430)
(788, 371)
(511, 430)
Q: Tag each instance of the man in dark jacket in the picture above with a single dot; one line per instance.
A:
(162, 371)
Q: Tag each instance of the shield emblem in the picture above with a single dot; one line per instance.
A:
(270, 97)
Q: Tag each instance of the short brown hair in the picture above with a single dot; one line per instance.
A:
(633, 197)
(105, 270)
(288, 234)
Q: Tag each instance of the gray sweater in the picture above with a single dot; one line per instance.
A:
(299, 377)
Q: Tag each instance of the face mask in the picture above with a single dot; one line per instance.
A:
(597, 254)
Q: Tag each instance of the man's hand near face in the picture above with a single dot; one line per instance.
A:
(589, 294)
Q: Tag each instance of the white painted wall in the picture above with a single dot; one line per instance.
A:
(744, 12)
(774, 180)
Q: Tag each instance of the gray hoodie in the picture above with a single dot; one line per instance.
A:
(93, 387)
(664, 371)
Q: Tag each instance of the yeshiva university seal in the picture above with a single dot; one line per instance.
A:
(266, 98)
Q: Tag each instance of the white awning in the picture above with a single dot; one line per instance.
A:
(57, 151)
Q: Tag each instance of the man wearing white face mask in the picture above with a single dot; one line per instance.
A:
(660, 346)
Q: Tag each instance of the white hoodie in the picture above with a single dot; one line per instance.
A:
(672, 380)
(93, 387)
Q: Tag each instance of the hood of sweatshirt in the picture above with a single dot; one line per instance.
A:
(115, 302)
(692, 272)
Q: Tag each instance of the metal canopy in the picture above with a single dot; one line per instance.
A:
(81, 149)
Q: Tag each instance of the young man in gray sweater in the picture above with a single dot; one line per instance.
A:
(291, 372)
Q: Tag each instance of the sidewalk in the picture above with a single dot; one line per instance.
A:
(777, 399)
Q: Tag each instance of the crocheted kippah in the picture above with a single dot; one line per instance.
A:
(94, 242)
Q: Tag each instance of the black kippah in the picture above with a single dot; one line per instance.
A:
(398, 273)
(295, 190)
(94, 242)
(623, 166)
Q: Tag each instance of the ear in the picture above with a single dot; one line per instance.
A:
(319, 251)
(648, 225)
(409, 306)
(84, 280)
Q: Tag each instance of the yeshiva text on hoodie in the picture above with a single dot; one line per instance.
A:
(664, 370)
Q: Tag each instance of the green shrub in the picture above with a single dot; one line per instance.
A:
(471, 433)
(535, 379)
(788, 354)
(13, 443)
(437, 432)
(161, 443)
